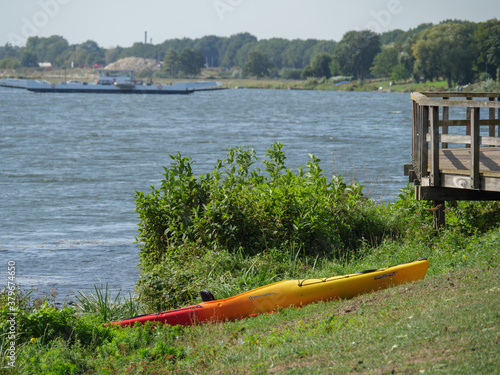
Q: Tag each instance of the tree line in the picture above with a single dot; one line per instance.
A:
(216, 51)
(458, 51)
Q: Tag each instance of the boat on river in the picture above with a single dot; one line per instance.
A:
(114, 82)
(16, 83)
(285, 294)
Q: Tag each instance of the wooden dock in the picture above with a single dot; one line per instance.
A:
(455, 159)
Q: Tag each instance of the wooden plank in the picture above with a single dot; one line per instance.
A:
(408, 168)
(459, 159)
(455, 180)
(459, 103)
(450, 194)
(434, 113)
(465, 139)
(490, 141)
(466, 122)
(467, 116)
(410, 172)
(491, 129)
(446, 117)
(415, 152)
(425, 98)
(422, 147)
(416, 96)
(460, 180)
(475, 134)
(453, 138)
(460, 94)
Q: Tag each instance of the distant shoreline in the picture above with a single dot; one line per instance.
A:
(370, 85)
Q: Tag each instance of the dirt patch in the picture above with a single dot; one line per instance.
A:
(133, 63)
(301, 363)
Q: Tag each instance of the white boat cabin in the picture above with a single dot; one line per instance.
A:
(116, 77)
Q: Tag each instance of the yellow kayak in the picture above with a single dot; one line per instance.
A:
(289, 293)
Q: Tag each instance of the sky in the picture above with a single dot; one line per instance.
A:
(123, 22)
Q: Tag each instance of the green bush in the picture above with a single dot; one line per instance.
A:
(51, 340)
(489, 85)
(57, 357)
(289, 73)
(43, 322)
(471, 217)
(415, 218)
(239, 209)
(9, 63)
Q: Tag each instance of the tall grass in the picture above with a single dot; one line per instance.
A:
(102, 304)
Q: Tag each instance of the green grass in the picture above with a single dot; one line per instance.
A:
(108, 308)
(448, 323)
(368, 85)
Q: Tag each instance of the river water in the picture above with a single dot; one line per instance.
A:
(70, 164)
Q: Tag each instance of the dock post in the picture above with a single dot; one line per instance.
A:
(446, 117)
(439, 215)
(475, 145)
(435, 178)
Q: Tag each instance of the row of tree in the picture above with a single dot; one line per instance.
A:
(454, 50)
(55, 50)
(216, 51)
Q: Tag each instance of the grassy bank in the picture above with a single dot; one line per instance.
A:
(429, 327)
(314, 84)
(447, 323)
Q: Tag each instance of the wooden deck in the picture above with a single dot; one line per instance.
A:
(456, 163)
(470, 169)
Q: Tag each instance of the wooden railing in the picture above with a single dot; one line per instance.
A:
(442, 173)
(430, 131)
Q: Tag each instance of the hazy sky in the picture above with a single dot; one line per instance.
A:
(123, 22)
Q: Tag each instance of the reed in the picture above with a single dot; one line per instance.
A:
(102, 304)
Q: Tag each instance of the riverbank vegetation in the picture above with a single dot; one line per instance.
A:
(458, 52)
(249, 222)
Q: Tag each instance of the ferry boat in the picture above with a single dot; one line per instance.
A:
(15, 83)
(118, 82)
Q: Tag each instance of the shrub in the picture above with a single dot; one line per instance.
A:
(311, 82)
(236, 208)
(44, 323)
(289, 73)
(472, 217)
(9, 63)
(489, 85)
